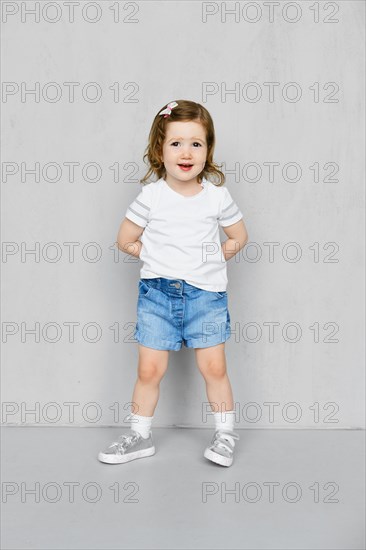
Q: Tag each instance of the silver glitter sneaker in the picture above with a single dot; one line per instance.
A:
(221, 450)
(128, 447)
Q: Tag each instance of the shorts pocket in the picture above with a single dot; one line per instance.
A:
(145, 289)
(221, 294)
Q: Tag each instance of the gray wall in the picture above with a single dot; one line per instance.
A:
(312, 210)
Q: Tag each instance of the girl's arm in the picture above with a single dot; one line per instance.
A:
(238, 238)
(127, 238)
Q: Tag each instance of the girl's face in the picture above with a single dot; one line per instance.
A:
(185, 143)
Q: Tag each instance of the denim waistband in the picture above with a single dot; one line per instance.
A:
(175, 287)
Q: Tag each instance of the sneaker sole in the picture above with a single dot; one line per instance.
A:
(121, 459)
(219, 459)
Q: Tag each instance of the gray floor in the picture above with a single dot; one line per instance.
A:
(177, 498)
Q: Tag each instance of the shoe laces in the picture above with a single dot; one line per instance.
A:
(124, 441)
(220, 440)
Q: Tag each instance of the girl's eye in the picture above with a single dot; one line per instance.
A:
(196, 142)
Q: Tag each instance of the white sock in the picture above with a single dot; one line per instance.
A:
(225, 421)
(141, 424)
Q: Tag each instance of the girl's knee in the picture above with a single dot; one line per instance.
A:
(150, 372)
(152, 364)
(214, 370)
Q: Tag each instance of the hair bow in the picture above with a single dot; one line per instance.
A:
(166, 112)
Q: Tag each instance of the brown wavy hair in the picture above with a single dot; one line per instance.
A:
(184, 111)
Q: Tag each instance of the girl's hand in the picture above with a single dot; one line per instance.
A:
(229, 248)
(237, 238)
(133, 249)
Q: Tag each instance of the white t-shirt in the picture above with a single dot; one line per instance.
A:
(181, 239)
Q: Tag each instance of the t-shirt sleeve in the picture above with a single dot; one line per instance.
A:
(139, 209)
(230, 212)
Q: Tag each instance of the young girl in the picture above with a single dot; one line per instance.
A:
(173, 227)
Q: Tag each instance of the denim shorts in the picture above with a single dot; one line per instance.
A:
(171, 312)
